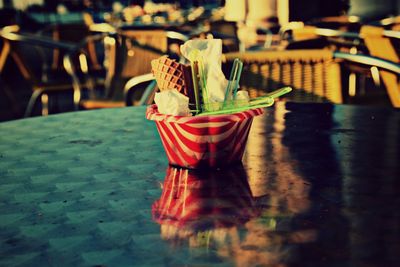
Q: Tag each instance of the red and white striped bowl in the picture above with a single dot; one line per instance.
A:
(203, 141)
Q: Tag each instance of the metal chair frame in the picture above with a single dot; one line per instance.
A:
(11, 36)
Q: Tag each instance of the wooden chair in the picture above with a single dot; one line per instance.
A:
(375, 41)
(146, 45)
(140, 46)
(164, 41)
(124, 58)
(379, 44)
(128, 52)
(147, 96)
(314, 74)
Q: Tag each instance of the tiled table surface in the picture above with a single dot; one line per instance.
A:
(319, 186)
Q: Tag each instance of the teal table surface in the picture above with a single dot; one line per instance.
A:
(319, 185)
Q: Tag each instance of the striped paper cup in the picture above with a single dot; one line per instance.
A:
(203, 141)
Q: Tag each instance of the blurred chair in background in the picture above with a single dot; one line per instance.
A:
(89, 71)
(146, 81)
(128, 51)
(64, 32)
(32, 55)
(301, 36)
(141, 47)
(123, 59)
(371, 40)
(376, 65)
(313, 74)
(378, 42)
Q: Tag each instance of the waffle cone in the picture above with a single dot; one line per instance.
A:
(168, 74)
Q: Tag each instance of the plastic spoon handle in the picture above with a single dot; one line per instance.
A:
(237, 79)
(279, 92)
(238, 109)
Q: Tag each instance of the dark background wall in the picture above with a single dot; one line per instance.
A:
(374, 8)
(305, 10)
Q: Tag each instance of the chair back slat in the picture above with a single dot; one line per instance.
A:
(381, 46)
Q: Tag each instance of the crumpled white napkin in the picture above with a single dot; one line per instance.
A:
(210, 52)
(216, 84)
(171, 102)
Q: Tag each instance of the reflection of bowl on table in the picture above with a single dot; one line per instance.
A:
(203, 141)
(193, 201)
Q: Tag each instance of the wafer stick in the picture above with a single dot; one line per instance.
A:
(195, 80)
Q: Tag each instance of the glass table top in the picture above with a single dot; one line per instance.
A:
(318, 186)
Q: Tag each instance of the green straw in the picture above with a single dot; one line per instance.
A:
(234, 78)
(280, 92)
(259, 102)
(228, 87)
(203, 81)
(237, 79)
(268, 103)
(273, 94)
